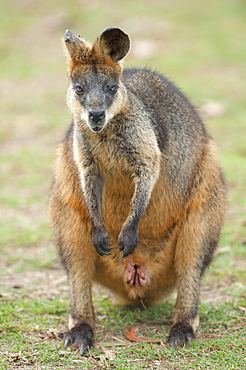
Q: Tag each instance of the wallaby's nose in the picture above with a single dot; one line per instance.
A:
(97, 116)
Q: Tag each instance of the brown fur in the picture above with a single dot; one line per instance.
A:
(182, 211)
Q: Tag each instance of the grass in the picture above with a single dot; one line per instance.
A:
(202, 49)
(26, 323)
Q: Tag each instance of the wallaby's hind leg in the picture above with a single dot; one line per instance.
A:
(73, 239)
(197, 240)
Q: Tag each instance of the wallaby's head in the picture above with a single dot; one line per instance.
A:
(95, 93)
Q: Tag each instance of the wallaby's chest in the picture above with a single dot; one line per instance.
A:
(114, 155)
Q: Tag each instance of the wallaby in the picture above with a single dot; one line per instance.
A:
(138, 197)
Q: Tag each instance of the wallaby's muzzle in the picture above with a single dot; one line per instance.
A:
(97, 120)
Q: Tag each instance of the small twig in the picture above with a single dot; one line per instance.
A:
(120, 340)
(142, 303)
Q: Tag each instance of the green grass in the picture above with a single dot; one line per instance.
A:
(26, 324)
(201, 48)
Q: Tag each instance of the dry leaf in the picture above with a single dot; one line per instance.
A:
(132, 333)
(242, 309)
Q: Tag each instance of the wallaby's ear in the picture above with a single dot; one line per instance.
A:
(76, 46)
(113, 43)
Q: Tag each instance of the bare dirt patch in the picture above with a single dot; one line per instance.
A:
(50, 283)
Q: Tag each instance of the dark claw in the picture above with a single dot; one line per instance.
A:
(180, 335)
(68, 342)
(105, 253)
(83, 349)
(127, 241)
(128, 251)
(80, 337)
(172, 343)
(101, 242)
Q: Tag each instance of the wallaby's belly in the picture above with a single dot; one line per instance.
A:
(135, 278)
(160, 215)
(148, 273)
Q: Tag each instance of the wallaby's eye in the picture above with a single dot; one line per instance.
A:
(113, 89)
(79, 89)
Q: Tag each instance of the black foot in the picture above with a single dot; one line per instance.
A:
(80, 336)
(180, 335)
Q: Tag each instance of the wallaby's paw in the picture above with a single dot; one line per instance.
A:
(101, 242)
(180, 335)
(79, 337)
(127, 241)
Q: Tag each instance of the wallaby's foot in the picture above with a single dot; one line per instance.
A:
(101, 242)
(127, 241)
(180, 335)
(80, 337)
